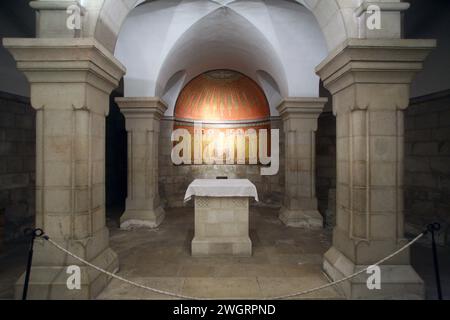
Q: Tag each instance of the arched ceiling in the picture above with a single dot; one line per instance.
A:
(275, 38)
(222, 95)
(223, 39)
(335, 17)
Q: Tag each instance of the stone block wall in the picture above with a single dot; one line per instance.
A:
(174, 180)
(427, 167)
(17, 166)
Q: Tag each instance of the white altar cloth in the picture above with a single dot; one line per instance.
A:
(221, 188)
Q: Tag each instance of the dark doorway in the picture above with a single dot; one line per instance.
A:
(116, 160)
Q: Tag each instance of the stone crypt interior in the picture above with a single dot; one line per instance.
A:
(86, 118)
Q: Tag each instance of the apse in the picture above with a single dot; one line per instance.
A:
(228, 105)
(222, 95)
(280, 39)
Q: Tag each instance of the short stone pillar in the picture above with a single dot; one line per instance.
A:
(142, 121)
(71, 81)
(300, 120)
(370, 81)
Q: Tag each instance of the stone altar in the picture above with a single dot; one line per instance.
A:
(221, 216)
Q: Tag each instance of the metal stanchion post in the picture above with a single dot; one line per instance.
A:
(432, 228)
(32, 233)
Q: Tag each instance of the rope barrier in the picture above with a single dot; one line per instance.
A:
(116, 276)
(356, 273)
(171, 294)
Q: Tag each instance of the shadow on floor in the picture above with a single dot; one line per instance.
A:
(285, 260)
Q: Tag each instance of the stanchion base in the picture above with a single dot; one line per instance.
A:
(50, 282)
(398, 282)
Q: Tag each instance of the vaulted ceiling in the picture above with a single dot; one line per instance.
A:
(166, 43)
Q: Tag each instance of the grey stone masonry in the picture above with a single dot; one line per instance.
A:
(17, 166)
(427, 164)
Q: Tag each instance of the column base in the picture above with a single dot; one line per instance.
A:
(132, 219)
(50, 282)
(239, 247)
(398, 282)
(310, 219)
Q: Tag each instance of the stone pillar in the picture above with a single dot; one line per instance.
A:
(71, 80)
(142, 121)
(300, 118)
(370, 81)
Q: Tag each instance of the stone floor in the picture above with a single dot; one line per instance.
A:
(285, 260)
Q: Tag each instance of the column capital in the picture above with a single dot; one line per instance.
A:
(303, 111)
(389, 14)
(53, 16)
(142, 107)
(374, 73)
(391, 6)
(66, 73)
(301, 107)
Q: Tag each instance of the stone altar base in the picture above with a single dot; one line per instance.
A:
(221, 227)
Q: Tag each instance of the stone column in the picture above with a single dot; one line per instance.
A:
(142, 118)
(300, 118)
(71, 80)
(370, 81)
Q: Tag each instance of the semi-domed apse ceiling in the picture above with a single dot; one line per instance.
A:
(225, 103)
(164, 44)
(222, 96)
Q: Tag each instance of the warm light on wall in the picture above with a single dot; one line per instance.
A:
(222, 95)
(222, 100)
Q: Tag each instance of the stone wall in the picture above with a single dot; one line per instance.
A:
(174, 180)
(17, 166)
(427, 167)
